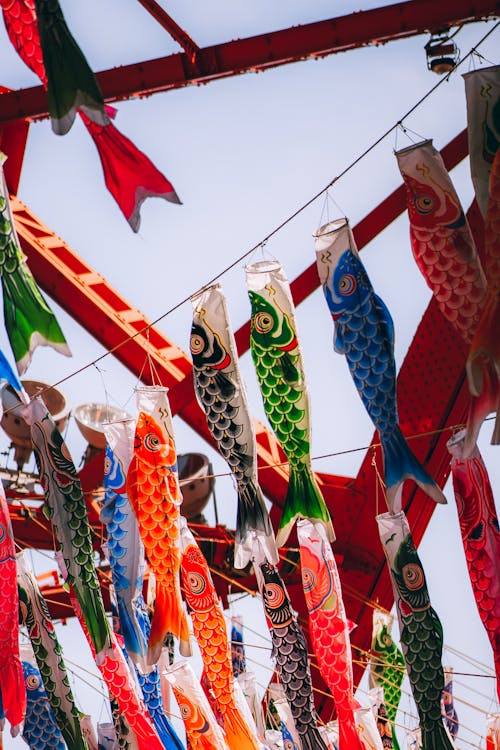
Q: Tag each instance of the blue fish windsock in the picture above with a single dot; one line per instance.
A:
(40, 730)
(364, 333)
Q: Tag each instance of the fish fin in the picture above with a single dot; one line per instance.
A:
(169, 617)
(252, 519)
(436, 737)
(312, 740)
(303, 500)
(29, 320)
(130, 629)
(13, 692)
(238, 734)
(338, 339)
(401, 464)
(386, 318)
(348, 734)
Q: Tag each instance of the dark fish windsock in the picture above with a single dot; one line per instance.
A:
(364, 333)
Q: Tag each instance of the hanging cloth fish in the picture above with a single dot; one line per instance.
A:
(328, 626)
(449, 712)
(387, 666)
(381, 718)
(482, 92)
(125, 738)
(11, 671)
(441, 239)
(276, 694)
(289, 651)
(154, 492)
(202, 729)
(40, 730)
(238, 659)
(419, 626)
(247, 682)
(221, 394)
(480, 531)
(129, 174)
(34, 614)
(364, 333)
(124, 545)
(280, 372)
(29, 320)
(210, 631)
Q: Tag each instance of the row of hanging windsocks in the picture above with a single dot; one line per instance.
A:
(41, 37)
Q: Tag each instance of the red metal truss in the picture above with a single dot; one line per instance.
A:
(267, 50)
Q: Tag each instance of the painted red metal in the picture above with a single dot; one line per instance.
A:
(267, 50)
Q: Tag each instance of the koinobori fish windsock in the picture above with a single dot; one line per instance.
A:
(480, 531)
(35, 616)
(450, 715)
(210, 631)
(441, 239)
(289, 651)
(238, 659)
(11, 672)
(482, 92)
(40, 730)
(379, 711)
(328, 626)
(387, 666)
(364, 333)
(154, 492)
(280, 372)
(28, 318)
(222, 395)
(419, 626)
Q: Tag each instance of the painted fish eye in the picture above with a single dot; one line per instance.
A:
(413, 576)
(288, 745)
(107, 465)
(424, 204)
(152, 442)
(347, 284)
(196, 344)
(32, 682)
(308, 579)
(274, 595)
(185, 711)
(263, 322)
(196, 583)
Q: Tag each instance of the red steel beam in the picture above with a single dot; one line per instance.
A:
(264, 51)
(176, 32)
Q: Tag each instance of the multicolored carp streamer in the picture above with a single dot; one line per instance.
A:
(441, 239)
(450, 715)
(35, 616)
(387, 666)
(238, 659)
(40, 730)
(379, 710)
(210, 631)
(125, 737)
(328, 626)
(482, 92)
(129, 174)
(480, 531)
(364, 333)
(289, 651)
(67, 510)
(222, 395)
(154, 492)
(419, 625)
(29, 320)
(124, 545)
(202, 729)
(288, 730)
(483, 362)
(11, 672)
(280, 372)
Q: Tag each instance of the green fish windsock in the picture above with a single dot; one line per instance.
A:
(387, 666)
(65, 506)
(35, 616)
(28, 318)
(71, 83)
(419, 626)
(280, 372)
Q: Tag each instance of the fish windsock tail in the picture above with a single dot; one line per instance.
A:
(13, 692)
(94, 614)
(29, 320)
(303, 500)
(401, 464)
(252, 519)
(169, 617)
(348, 734)
(311, 739)
(130, 629)
(436, 738)
(238, 733)
(483, 365)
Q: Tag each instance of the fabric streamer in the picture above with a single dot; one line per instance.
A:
(480, 531)
(29, 320)
(210, 631)
(34, 614)
(106, 736)
(221, 393)
(154, 493)
(289, 651)
(364, 333)
(247, 681)
(40, 730)
(280, 372)
(12, 687)
(280, 703)
(328, 626)
(387, 667)
(368, 730)
(419, 626)
(238, 659)
(493, 732)
(449, 711)
(379, 710)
